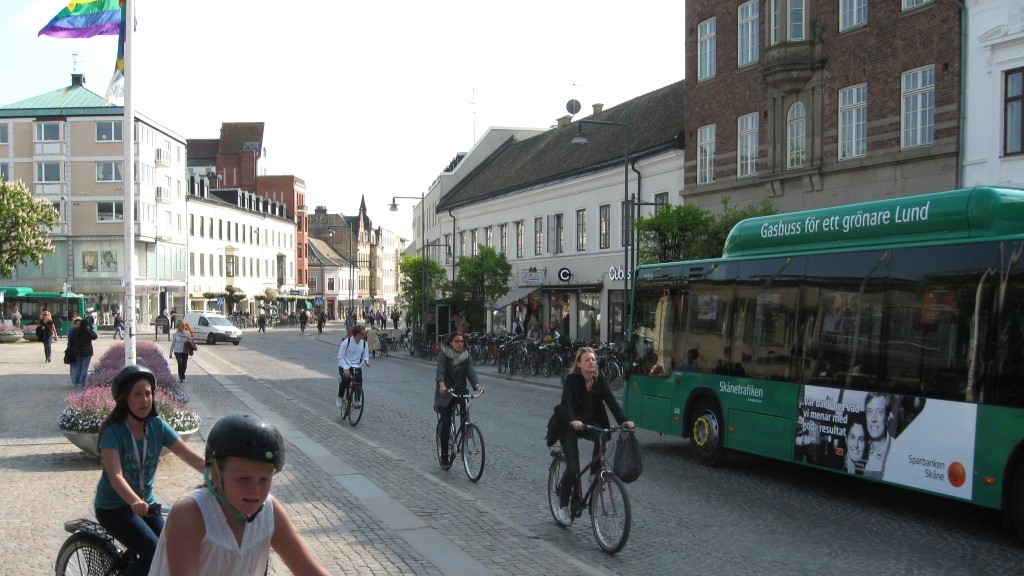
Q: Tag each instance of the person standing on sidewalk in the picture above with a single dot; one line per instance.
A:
(47, 333)
(353, 353)
(80, 343)
(118, 326)
(130, 441)
(181, 348)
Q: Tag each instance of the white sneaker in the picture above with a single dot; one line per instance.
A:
(564, 517)
(337, 402)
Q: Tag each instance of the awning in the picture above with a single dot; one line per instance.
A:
(513, 295)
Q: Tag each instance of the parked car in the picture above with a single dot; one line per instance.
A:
(211, 328)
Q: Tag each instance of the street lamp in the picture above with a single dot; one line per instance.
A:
(573, 106)
(423, 251)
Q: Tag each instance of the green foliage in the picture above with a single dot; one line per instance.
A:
(481, 279)
(412, 270)
(689, 233)
(25, 224)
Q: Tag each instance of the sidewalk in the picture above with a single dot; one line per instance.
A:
(367, 518)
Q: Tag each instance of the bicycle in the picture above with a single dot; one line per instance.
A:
(465, 439)
(352, 402)
(92, 551)
(610, 514)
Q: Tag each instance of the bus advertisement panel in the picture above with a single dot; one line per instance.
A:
(920, 443)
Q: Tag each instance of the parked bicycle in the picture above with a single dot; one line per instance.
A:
(606, 497)
(92, 551)
(464, 439)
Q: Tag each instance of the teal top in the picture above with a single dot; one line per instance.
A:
(157, 435)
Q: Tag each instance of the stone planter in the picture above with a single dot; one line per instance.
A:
(30, 335)
(10, 338)
(86, 441)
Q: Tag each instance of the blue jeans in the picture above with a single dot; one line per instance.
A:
(138, 534)
(80, 370)
(47, 345)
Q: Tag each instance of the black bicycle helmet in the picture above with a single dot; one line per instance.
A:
(245, 436)
(128, 376)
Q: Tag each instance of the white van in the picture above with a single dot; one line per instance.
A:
(211, 328)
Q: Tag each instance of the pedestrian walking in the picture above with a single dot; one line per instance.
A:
(395, 317)
(80, 344)
(118, 326)
(261, 322)
(47, 333)
(321, 319)
(182, 347)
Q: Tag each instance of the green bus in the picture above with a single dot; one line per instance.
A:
(882, 339)
(62, 305)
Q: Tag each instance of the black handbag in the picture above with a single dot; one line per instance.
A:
(627, 465)
(555, 424)
(69, 357)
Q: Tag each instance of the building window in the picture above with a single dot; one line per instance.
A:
(202, 265)
(489, 236)
(795, 30)
(604, 226)
(191, 263)
(108, 171)
(462, 243)
(312, 283)
(48, 132)
(746, 154)
(5, 172)
(749, 36)
(706, 50)
(918, 107)
(330, 283)
(852, 14)
(706, 154)
(581, 230)
(853, 121)
(773, 22)
(627, 223)
(520, 238)
(108, 131)
(3, 134)
(473, 243)
(661, 199)
(503, 238)
(559, 234)
(911, 4)
(48, 172)
(110, 211)
(796, 135)
(538, 236)
(1013, 112)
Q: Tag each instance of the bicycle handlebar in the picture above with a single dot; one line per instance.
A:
(470, 396)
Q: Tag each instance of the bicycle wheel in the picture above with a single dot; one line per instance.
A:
(614, 375)
(355, 410)
(610, 514)
(546, 367)
(555, 473)
(473, 454)
(346, 400)
(85, 555)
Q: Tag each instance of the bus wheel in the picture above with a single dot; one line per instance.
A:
(1017, 501)
(707, 439)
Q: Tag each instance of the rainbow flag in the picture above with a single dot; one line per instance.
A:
(85, 19)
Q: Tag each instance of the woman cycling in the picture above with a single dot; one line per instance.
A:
(454, 370)
(130, 442)
(584, 398)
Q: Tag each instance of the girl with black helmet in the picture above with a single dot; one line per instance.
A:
(230, 526)
(130, 442)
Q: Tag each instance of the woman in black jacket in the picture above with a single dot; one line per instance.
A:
(80, 343)
(584, 398)
(455, 373)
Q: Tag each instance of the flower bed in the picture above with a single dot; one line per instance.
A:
(84, 411)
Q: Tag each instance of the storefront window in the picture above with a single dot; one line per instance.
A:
(589, 316)
(559, 313)
(616, 314)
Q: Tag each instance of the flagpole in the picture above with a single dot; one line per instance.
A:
(128, 135)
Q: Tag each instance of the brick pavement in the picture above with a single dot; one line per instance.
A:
(382, 516)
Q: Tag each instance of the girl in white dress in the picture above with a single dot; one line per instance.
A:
(230, 526)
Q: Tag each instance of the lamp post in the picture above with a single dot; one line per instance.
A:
(573, 106)
(633, 202)
(423, 251)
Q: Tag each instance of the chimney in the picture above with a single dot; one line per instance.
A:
(598, 108)
(78, 79)
(564, 121)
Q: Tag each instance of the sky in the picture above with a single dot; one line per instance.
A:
(360, 99)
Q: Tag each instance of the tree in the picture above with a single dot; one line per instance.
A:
(689, 233)
(481, 279)
(25, 224)
(411, 268)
